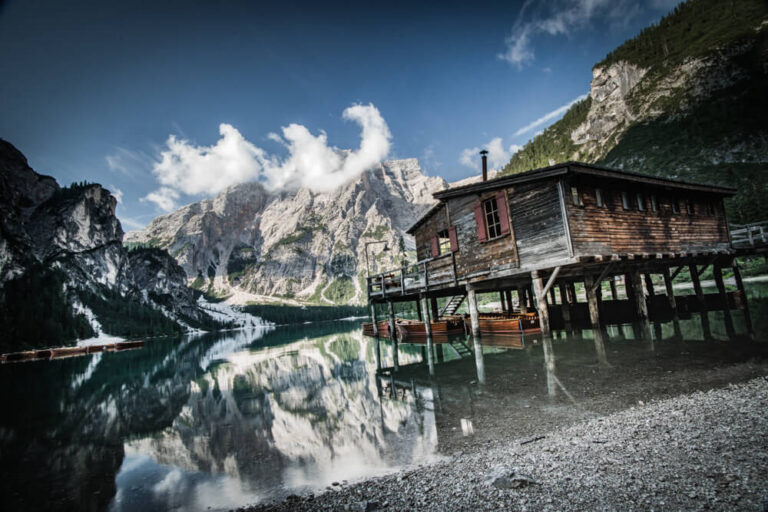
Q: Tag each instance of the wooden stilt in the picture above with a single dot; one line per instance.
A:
(418, 310)
(594, 318)
(672, 302)
(549, 365)
(474, 315)
(649, 285)
(502, 301)
(479, 360)
(427, 320)
(566, 306)
(744, 301)
(508, 294)
(531, 297)
(552, 298)
(377, 351)
(373, 319)
(614, 294)
(641, 306)
(700, 298)
(522, 300)
(435, 310)
(571, 289)
(393, 336)
(718, 273)
(541, 302)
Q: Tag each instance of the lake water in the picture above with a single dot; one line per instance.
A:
(229, 419)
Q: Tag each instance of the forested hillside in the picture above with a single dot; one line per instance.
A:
(686, 98)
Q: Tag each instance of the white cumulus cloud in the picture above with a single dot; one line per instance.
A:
(310, 161)
(498, 155)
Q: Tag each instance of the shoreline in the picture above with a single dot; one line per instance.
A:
(706, 449)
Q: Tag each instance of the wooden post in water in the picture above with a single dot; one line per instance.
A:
(373, 319)
(552, 297)
(594, 308)
(700, 298)
(672, 302)
(522, 300)
(479, 361)
(566, 306)
(474, 315)
(649, 285)
(641, 306)
(393, 336)
(428, 331)
(508, 294)
(549, 365)
(614, 293)
(718, 272)
(502, 301)
(377, 351)
(418, 310)
(435, 310)
(541, 302)
(745, 302)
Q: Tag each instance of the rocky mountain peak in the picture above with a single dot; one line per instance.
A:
(295, 244)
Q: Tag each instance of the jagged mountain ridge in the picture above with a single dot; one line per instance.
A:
(70, 239)
(684, 99)
(296, 244)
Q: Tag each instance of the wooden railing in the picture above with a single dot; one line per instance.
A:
(749, 235)
(418, 277)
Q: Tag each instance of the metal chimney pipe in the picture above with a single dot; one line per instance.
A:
(484, 154)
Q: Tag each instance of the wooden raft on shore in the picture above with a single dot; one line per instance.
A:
(61, 352)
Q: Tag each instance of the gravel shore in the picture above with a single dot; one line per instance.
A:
(702, 451)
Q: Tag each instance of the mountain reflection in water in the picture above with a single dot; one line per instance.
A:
(228, 419)
(214, 421)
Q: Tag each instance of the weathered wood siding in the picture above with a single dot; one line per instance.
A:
(475, 257)
(538, 223)
(424, 233)
(614, 230)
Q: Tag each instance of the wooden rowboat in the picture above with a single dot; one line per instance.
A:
(441, 327)
(514, 323)
(382, 325)
(61, 352)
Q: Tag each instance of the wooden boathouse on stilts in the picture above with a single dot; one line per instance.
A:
(531, 237)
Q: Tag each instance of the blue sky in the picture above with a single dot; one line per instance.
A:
(168, 102)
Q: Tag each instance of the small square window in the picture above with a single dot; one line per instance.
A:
(599, 198)
(654, 203)
(625, 200)
(675, 205)
(640, 202)
(575, 197)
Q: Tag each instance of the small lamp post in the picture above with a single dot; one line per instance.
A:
(367, 264)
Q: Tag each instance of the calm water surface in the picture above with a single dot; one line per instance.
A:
(229, 419)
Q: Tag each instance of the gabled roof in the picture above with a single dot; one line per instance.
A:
(562, 169)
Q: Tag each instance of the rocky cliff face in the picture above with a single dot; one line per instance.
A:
(684, 99)
(301, 244)
(74, 230)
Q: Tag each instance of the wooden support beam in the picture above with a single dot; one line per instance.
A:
(552, 297)
(649, 285)
(700, 298)
(427, 320)
(435, 310)
(614, 293)
(551, 281)
(590, 286)
(745, 302)
(393, 336)
(474, 314)
(541, 300)
(718, 274)
(508, 294)
(601, 277)
(676, 272)
(502, 300)
(419, 310)
(670, 291)
(373, 319)
(641, 306)
(428, 331)
(522, 300)
(566, 306)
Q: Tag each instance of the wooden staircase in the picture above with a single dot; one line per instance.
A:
(461, 348)
(453, 305)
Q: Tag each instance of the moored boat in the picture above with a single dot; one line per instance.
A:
(509, 323)
(441, 327)
(383, 327)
